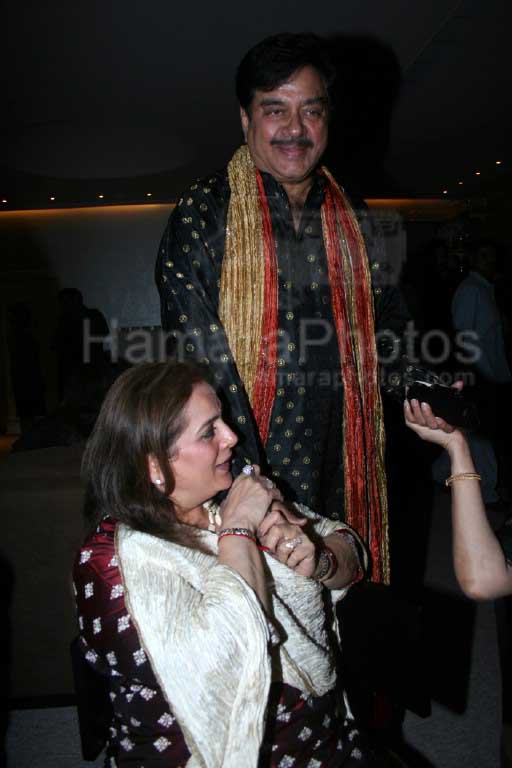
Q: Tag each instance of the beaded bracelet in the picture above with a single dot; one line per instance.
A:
(245, 533)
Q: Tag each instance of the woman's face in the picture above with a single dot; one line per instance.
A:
(201, 458)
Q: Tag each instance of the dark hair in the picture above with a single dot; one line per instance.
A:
(71, 294)
(273, 61)
(142, 415)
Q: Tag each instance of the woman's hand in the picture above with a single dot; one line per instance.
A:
(248, 501)
(288, 543)
(245, 506)
(279, 512)
(420, 418)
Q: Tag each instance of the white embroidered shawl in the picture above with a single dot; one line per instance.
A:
(209, 641)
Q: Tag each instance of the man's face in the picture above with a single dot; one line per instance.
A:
(286, 128)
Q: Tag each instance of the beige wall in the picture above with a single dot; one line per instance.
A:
(107, 252)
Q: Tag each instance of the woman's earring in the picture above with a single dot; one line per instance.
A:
(154, 474)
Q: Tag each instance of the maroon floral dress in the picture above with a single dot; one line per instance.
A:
(302, 731)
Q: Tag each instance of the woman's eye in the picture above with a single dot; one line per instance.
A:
(209, 433)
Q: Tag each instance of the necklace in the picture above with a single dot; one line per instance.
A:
(214, 518)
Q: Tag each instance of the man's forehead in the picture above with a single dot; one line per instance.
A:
(307, 80)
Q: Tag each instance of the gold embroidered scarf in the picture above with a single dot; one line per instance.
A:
(249, 312)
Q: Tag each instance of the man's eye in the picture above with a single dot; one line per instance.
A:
(275, 111)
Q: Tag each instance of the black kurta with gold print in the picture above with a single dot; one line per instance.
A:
(304, 450)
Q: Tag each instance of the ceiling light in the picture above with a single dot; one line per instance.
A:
(445, 191)
(477, 173)
(52, 199)
(148, 194)
(101, 197)
(461, 183)
(4, 200)
(498, 162)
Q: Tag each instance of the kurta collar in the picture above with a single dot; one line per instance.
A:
(315, 195)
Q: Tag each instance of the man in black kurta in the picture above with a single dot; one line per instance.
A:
(275, 196)
(303, 450)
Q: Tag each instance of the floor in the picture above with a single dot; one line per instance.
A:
(45, 738)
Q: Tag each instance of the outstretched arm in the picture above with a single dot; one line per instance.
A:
(480, 565)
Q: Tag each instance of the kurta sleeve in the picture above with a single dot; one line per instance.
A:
(208, 644)
(188, 272)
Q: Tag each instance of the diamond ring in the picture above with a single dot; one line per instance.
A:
(248, 469)
(292, 543)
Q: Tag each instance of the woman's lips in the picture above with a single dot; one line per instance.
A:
(225, 466)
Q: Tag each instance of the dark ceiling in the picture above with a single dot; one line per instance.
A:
(122, 98)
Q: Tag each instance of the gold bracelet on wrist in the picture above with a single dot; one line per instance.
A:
(462, 476)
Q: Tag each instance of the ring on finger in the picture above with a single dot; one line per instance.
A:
(292, 543)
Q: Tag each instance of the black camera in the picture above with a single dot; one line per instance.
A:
(453, 405)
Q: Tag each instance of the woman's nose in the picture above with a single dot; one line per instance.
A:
(228, 436)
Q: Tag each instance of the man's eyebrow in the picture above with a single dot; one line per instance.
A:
(270, 102)
(317, 100)
(279, 102)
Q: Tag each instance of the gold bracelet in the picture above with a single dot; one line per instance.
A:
(462, 476)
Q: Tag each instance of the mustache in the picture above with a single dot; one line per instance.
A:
(292, 142)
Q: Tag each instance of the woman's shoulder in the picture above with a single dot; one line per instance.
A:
(154, 557)
(99, 546)
(96, 567)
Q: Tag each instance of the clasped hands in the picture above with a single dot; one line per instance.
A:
(253, 502)
(283, 536)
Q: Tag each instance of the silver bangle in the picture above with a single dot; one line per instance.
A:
(244, 532)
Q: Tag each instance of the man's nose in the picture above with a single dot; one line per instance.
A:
(295, 124)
